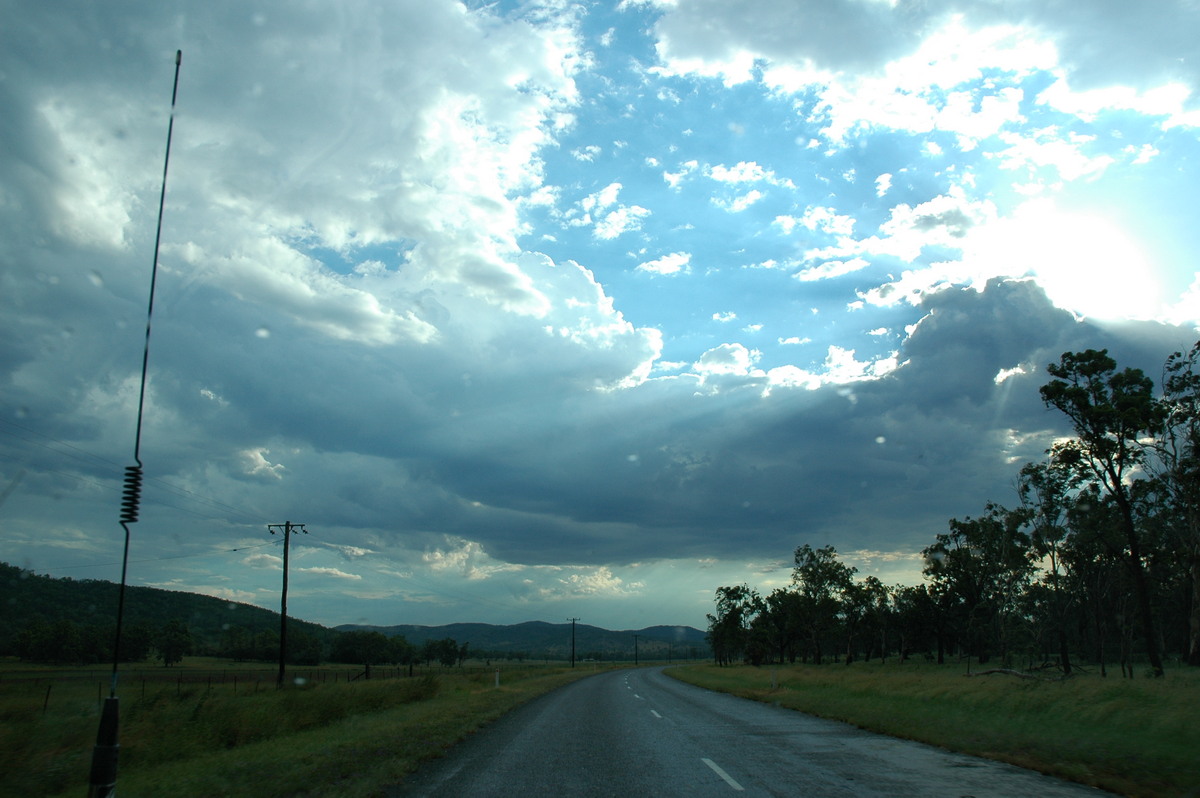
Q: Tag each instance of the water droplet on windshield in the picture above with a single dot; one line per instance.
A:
(96, 278)
(263, 332)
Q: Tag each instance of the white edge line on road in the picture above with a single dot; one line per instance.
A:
(728, 779)
(655, 714)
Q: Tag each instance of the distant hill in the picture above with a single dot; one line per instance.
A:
(540, 640)
(87, 608)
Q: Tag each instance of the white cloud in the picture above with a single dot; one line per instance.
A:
(597, 582)
(742, 172)
(727, 359)
(1049, 148)
(334, 573)
(256, 464)
(675, 263)
(465, 558)
(601, 199)
(608, 217)
(830, 269)
(586, 154)
(673, 179)
(740, 203)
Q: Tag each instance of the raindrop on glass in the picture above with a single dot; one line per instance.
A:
(263, 332)
(96, 278)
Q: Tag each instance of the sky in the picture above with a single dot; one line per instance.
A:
(543, 310)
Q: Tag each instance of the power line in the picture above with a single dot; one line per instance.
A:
(172, 557)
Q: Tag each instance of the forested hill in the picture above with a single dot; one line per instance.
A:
(537, 639)
(76, 621)
(87, 608)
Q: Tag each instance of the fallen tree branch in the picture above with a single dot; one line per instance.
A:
(1007, 671)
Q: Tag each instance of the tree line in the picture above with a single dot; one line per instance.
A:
(1099, 559)
(65, 642)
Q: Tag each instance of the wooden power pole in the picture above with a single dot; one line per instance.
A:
(288, 529)
(572, 620)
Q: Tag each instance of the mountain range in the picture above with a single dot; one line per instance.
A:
(541, 640)
(34, 601)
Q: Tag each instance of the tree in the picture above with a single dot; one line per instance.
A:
(877, 600)
(136, 641)
(821, 580)
(1178, 469)
(728, 629)
(917, 620)
(173, 642)
(361, 647)
(303, 649)
(980, 568)
(1046, 490)
(777, 625)
(444, 651)
(1110, 410)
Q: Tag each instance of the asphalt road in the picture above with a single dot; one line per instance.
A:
(641, 733)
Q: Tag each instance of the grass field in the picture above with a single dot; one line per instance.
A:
(209, 729)
(1137, 737)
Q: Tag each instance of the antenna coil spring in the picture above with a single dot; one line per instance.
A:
(131, 496)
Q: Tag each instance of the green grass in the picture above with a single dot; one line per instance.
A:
(329, 737)
(1134, 737)
(323, 738)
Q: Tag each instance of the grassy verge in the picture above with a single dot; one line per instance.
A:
(1134, 737)
(196, 739)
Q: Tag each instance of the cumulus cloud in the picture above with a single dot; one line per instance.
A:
(726, 359)
(354, 329)
(675, 263)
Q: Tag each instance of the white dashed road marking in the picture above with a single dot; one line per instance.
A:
(728, 779)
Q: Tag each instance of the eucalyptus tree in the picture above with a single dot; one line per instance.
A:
(777, 627)
(729, 629)
(865, 610)
(918, 621)
(1177, 467)
(1110, 411)
(821, 581)
(1094, 565)
(1046, 491)
(981, 566)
